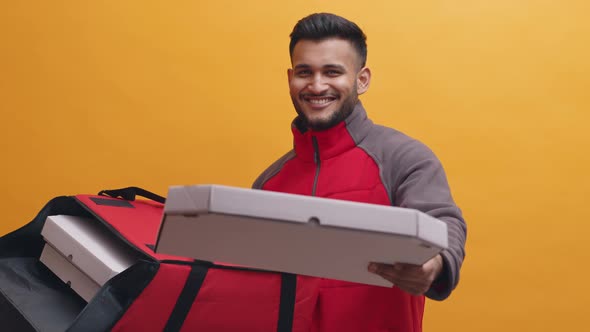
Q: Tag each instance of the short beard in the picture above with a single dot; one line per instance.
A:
(335, 118)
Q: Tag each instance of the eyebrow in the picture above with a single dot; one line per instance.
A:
(328, 66)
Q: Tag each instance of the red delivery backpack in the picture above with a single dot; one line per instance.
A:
(157, 293)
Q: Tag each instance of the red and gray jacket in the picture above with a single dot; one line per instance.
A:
(359, 161)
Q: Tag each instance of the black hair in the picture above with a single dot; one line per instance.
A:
(321, 26)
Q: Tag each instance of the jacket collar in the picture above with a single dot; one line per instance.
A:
(331, 142)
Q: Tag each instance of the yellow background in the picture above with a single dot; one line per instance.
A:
(106, 94)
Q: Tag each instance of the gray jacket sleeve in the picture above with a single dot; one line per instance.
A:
(418, 181)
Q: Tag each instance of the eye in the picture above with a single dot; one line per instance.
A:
(303, 73)
(333, 73)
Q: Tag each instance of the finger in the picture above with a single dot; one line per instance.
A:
(404, 281)
(426, 273)
(392, 274)
(410, 270)
(398, 271)
(413, 289)
(381, 270)
(384, 270)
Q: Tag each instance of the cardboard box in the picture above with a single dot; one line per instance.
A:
(68, 273)
(293, 233)
(88, 245)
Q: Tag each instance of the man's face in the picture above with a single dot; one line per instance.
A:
(325, 81)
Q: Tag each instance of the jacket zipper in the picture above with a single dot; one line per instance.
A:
(318, 163)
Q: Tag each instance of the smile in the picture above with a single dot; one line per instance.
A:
(320, 100)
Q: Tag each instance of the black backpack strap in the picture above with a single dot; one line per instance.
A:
(287, 305)
(129, 194)
(195, 280)
(187, 297)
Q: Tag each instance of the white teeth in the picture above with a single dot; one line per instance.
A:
(319, 101)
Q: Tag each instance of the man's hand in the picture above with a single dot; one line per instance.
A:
(414, 279)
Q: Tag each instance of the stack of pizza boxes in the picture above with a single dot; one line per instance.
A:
(83, 253)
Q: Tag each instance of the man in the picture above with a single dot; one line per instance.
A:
(339, 153)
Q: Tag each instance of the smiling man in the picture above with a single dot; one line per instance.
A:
(325, 81)
(339, 153)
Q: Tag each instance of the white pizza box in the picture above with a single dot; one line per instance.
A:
(298, 234)
(88, 245)
(68, 273)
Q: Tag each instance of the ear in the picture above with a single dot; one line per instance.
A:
(363, 79)
(289, 75)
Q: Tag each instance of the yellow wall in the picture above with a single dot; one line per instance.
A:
(105, 94)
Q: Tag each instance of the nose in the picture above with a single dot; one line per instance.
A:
(317, 85)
